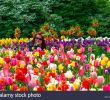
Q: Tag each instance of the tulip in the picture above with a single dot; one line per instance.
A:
(70, 54)
(60, 67)
(82, 49)
(76, 84)
(9, 81)
(27, 59)
(7, 59)
(51, 58)
(6, 72)
(73, 79)
(103, 62)
(106, 71)
(29, 67)
(72, 64)
(86, 84)
(40, 88)
(13, 61)
(108, 48)
(90, 49)
(93, 75)
(51, 66)
(106, 87)
(83, 57)
(1, 61)
(100, 80)
(96, 63)
(68, 74)
(108, 64)
(23, 88)
(32, 83)
(81, 71)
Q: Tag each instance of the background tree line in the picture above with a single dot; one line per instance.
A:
(31, 14)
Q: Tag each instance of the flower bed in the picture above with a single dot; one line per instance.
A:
(71, 65)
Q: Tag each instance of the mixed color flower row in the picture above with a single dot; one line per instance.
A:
(79, 68)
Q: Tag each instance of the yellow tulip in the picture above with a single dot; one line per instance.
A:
(1, 61)
(103, 62)
(21, 65)
(73, 64)
(54, 70)
(76, 86)
(36, 54)
(108, 64)
(79, 51)
(105, 58)
(60, 67)
(51, 87)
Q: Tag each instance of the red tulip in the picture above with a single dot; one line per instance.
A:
(41, 88)
(27, 59)
(67, 62)
(23, 88)
(45, 63)
(20, 77)
(21, 70)
(64, 87)
(86, 84)
(41, 53)
(7, 59)
(46, 80)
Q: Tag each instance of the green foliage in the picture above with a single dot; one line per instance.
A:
(31, 14)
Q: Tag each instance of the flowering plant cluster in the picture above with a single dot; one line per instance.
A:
(79, 68)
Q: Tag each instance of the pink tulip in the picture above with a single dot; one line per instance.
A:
(14, 87)
(82, 49)
(81, 71)
(29, 67)
(93, 75)
(1, 74)
(1, 87)
(27, 79)
(6, 72)
(82, 58)
(96, 63)
(106, 87)
(51, 58)
(13, 62)
(39, 49)
(62, 56)
(9, 81)
(71, 88)
(90, 49)
(32, 83)
(107, 48)
(58, 78)
(100, 80)
(70, 54)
